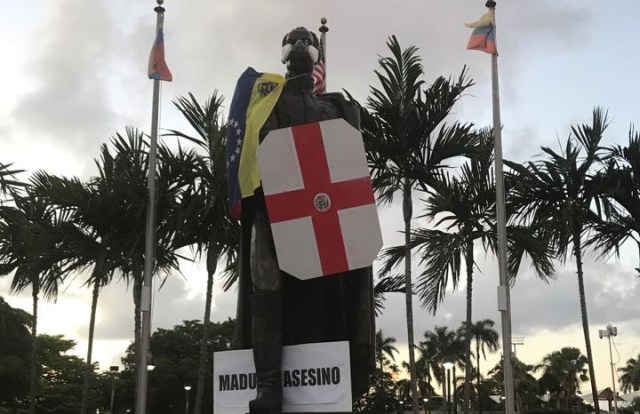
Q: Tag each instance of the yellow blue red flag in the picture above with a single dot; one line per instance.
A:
(255, 96)
(483, 37)
(158, 68)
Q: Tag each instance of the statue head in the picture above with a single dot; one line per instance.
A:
(300, 51)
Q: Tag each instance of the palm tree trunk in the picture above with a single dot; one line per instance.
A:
(89, 366)
(212, 264)
(34, 380)
(407, 210)
(585, 318)
(478, 393)
(467, 337)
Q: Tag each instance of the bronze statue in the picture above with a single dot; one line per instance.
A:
(274, 308)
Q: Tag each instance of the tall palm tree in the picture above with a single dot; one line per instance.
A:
(31, 249)
(205, 221)
(563, 371)
(89, 239)
(464, 206)
(122, 176)
(555, 194)
(407, 145)
(483, 335)
(630, 378)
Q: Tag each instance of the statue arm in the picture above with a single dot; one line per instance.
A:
(348, 110)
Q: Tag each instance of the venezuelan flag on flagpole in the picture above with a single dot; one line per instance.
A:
(483, 37)
(255, 97)
(158, 69)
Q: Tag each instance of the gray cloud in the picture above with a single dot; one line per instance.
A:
(69, 103)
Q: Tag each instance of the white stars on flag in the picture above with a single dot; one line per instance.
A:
(232, 123)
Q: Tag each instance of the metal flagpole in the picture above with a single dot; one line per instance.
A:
(150, 240)
(504, 299)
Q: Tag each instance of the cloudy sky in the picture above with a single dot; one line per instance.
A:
(73, 73)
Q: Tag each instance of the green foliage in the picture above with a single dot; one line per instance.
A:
(60, 374)
(175, 355)
(15, 349)
(381, 397)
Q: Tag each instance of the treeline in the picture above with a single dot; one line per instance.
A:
(550, 385)
(174, 364)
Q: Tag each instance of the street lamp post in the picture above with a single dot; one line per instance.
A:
(113, 369)
(515, 341)
(608, 333)
(447, 366)
(186, 404)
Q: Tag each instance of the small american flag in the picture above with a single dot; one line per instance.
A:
(319, 74)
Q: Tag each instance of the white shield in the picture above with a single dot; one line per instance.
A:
(319, 198)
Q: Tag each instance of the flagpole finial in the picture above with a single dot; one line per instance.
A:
(159, 7)
(491, 4)
(323, 28)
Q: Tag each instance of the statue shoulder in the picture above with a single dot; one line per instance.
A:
(348, 110)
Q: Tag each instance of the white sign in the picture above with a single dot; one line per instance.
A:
(315, 378)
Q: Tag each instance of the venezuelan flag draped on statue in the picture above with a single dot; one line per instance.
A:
(255, 97)
(483, 37)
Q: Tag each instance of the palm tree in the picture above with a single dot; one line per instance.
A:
(442, 345)
(123, 169)
(89, 239)
(106, 213)
(407, 145)
(555, 195)
(562, 373)
(483, 334)
(630, 378)
(465, 206)
(31, 249)
(205, 221)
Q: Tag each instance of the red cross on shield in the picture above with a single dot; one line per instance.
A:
(319, 199)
